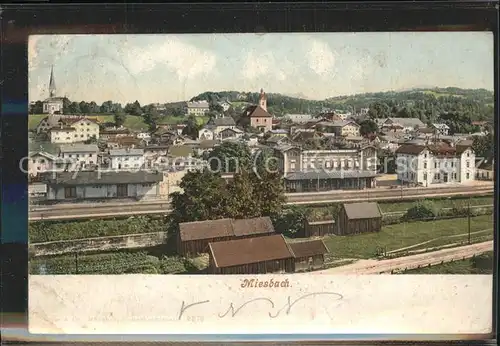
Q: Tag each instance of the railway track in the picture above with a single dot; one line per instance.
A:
(111, 210)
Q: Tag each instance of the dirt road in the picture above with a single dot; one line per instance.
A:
(409, 262)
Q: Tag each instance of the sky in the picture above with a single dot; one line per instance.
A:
(169, 68)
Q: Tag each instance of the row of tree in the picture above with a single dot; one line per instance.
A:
(253, 192)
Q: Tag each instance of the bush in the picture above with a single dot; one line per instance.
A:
(53, 231)
(290, 222)
(392, 219)
(422, 210)
(483, 263)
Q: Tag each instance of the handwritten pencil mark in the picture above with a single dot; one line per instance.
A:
(184, 307)
(234, 312)
(290, 304)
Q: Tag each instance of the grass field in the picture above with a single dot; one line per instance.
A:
(455, 268)
(440, 94)
(439, 203)
(132, 122)
(398, 236)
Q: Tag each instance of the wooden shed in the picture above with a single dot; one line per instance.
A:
(318, 228)
(260, 255)
(193, 237)
(308, 255)
(356, 218)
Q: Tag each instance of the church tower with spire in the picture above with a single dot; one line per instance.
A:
(52, 83)
(263, 100)
(54, 104)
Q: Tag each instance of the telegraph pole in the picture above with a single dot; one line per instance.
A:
(468, 218)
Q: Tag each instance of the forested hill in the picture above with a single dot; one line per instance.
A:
(427, 103)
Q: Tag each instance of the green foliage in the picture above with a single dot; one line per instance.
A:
(483, 263)
(290, 221)
(483, 146)
(230, 157)
(368, 127)
(422, 210)
(53, 231)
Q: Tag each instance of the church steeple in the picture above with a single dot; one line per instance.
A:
(263, 100)
(52, 83)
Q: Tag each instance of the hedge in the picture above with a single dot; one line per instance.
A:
(39, 232)
(107, 264)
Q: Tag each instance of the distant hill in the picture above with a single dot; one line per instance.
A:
(279, 104)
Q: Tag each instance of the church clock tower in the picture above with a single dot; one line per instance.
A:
(263, 100)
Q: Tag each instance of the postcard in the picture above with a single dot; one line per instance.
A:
(298, 183)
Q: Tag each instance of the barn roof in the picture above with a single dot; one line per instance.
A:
(74, 178)
(209, 229)
(249, 250)
(308, 248)
(364, 210)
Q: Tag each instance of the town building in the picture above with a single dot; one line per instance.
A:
(53, 104)
(233, 133)
(406, 125)
(193, 237)
(298, 118)
(441, 129)
(90, 185)
(308, 255)
(126, 159)
(68, 129)
(343, 128)
(41, 162)
(84, 155)
(113, 133)
(325, 170)
(197, 108)
(225, 105)
(212, 130)
(435, 163)
(257, 116)
(259, 255)
(485, 170)
(357, 218)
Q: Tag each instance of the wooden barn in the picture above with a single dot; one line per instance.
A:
(318, 228)
(193, 237)
(260, 255)
(356, 218)
(308, 255)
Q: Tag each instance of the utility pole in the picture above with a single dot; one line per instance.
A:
(76, 262)
(468, 218)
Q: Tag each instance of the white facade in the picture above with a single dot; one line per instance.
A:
(143, 135)
(63, 135)
(41, 162)
(85, 129)
(206, 133)
(81, 154)
(197, 108)
(123, 159)
(426, 168)
(103, 191)
(53, 106)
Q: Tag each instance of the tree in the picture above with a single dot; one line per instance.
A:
(242, 203)
(483, 146)
(192, 127)
(230, 157)
(119, 118)
(84, 107)
(204, 197)
(66, 104)
(368, 127)
(36, 108)
(290, 222)
(151, 118)
(107, 107)
(74, 108)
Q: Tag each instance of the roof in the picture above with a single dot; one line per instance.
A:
(308, 248)
(207, 144)
(102, 178)
(197, 104)
(486, 165)
(441, 126)
(250, 250)
(410, 149)
(276, 139)
(44, 154)
(409, 122)
(126, 152)
(210, 229)
(180, 151)
(299, 118)
(257, 112)
(78, 148)
(343, 123)
(62, 129)
(224, 121)
(364, 210)
(329, 175)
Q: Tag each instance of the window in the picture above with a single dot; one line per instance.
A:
(467, 164)
(467, 176)
(468, 154)
(446, 164)
(435, 165)
(34, 161)
(42, 161)
(90, 155)
(425, 156)
(70, 192)
(122, 190)
(425, 176)
(425, 165)
(452, 163)
(438, 176)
